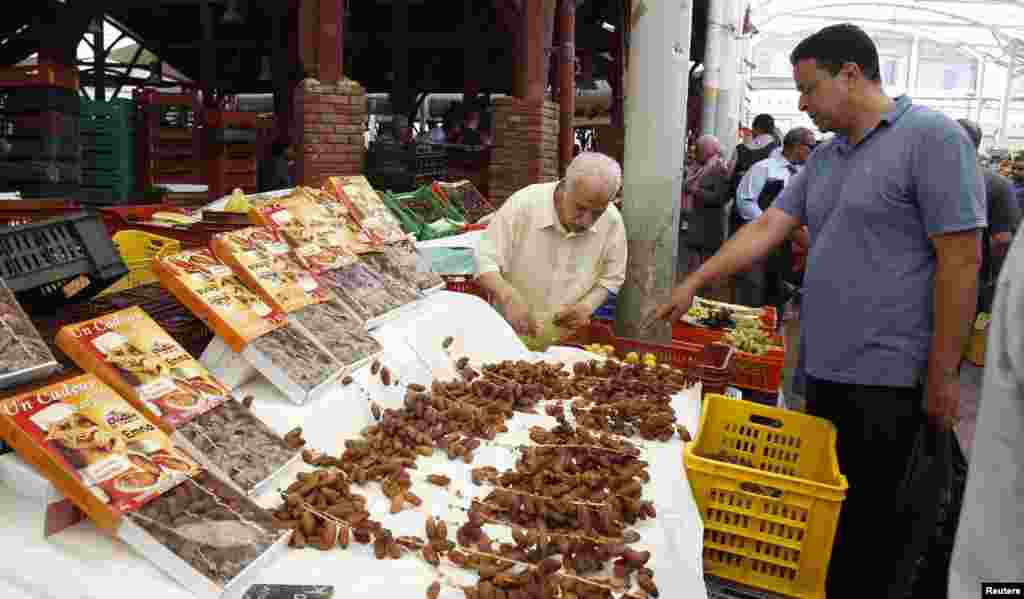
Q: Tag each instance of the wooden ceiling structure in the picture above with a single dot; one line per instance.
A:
(419, 45)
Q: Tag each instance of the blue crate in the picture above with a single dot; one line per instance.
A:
(607, 309)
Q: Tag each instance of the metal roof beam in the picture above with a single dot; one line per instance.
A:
(907, 22)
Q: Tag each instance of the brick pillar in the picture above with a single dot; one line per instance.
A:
(525, 145)
(329, 138)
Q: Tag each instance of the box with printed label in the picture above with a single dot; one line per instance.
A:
(369, 209)
(281, 351)
(115, 464)
(132, 354)
(321, 240)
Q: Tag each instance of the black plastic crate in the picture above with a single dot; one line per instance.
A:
(50, 263)
(235, 136)
(431, 164)
(41, 148)
(39, 99)
(106, 196)
(13, 173)
(36, 125)
(34, 191)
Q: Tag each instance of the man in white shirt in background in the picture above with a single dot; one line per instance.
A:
(796, 149)
(554, 251)
(760, 285)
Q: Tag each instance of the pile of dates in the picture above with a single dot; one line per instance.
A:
(628, 408)
(538, 565)
(574, 490)
(664, 379)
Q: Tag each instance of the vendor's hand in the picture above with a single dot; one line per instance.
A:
(518, 314)
(574, 317)
(942, 397)
(678, 305)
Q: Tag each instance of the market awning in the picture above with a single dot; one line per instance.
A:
(984, 28)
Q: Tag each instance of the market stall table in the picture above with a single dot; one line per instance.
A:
(82, 563)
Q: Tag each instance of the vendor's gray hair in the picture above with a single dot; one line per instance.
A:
(597, 166)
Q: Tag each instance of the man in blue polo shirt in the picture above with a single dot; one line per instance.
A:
(894, 204)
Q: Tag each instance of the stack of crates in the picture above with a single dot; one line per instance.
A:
(108, 152)
(232, 152)
(40, 144)
(167, 139)
(430, 164)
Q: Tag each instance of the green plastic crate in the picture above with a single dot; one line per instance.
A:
(436, 228)
(409, 223)
(103, 161)
(114, 110)
(98, 178)
(106, 196)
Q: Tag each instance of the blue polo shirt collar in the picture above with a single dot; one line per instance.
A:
(902, 105)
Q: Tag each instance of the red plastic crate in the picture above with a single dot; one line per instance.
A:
(19, 212)
(234, 165)
(464, 284)
(223, 119)
(40, 75)
(134, 217)
(761, 373)
(715, 364)
(682, 331)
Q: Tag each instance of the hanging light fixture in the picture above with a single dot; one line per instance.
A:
(265, 74)
(232, 16)
(95, 26)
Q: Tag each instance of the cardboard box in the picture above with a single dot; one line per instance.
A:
(133, 354)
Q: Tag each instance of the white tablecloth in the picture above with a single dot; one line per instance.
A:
(82, 563)
(466, 240)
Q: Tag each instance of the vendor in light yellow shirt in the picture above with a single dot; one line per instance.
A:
(557, 249)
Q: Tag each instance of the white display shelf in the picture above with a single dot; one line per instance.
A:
(84, 563)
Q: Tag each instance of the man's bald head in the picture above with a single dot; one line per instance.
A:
(591, 181)
(596, 171)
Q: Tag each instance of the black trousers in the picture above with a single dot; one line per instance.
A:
(876, 428)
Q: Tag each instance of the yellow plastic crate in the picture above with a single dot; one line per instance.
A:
(770, 510)
(137, 249)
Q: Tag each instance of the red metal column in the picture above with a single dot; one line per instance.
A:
(567, 85)
(534, 57)
(331, 41)
(617, 78)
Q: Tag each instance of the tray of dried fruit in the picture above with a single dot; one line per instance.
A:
(270, 269)
(24, 356)
(132, 354)
(250, 328)
(403, 262)
(340, 332)
(373, 296)
(115, 465)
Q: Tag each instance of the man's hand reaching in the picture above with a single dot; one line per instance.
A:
(573, 317)
(519, 316)
(677, 306)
